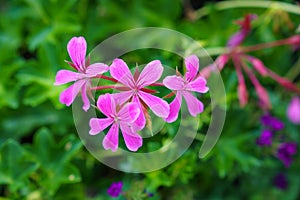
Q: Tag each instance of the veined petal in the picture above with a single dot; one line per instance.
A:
(122, 97)
(106, 104)
(174, 108)
(159, 107)
(77, 50)
(192, 66)
(150, 74)
(132, 140)
(67, 96)
(197, 85)
(120, 71)
(111, 140)
(129, 113)
(140, 122)
(66, 76)
(85, 99)
(98, 125)
(96, 69)
(194, 105)
(174, 82)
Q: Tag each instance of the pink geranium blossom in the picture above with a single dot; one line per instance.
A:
(293, 111)
(134, 88)
(184, 86)
(77, 51)
(122, 118)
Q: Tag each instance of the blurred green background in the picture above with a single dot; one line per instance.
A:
(41, 155)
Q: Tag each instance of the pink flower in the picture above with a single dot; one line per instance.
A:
(184, 86)
(135, 91)
(293, 111)
(122, 118)
(77, 51)
(240, 36)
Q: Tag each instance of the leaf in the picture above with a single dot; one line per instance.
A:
(16, 165)
(20, 123)
(55, 160)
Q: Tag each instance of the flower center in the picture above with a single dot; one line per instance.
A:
(116, 119)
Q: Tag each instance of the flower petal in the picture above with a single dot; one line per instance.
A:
(140, 122)
(129, 113)
(85, 99)
(67, 96)
(66, 76)
(106, 104)
(120, 71)
(150, 74)
(96, 69)
(174, 82)
(132, 140)
(293, 111)
(159, 107)
(258, 65)
(192, 66)
(194, 105)
(77, 50)
(198, 85)
(174, 108)
(122, 97)
(111, 140)
(98, 125)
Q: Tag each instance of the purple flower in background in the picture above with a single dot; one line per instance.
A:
(134, 88)
(122, 118)
(272, 122)
(77, 51)
(265, 139)
(293, 111)
(115, 189)
(184, 86)
(280, 181)
(285, 152)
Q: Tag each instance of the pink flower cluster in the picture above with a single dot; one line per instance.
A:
(250, 65)
(128, 109)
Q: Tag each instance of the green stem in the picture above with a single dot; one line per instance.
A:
(213, 51)
(294, 71)
(224, 5)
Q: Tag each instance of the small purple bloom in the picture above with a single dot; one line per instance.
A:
(265, 139)
(272, 122)
(285, 152)
(280, 181)
(115, 189)
(293, 111)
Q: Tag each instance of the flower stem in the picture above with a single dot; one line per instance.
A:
(103, 87)
(106, 78)
(294, 71)
(225, 5)
(263, 45)
(157, 84)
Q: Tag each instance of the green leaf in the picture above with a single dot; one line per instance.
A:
(55, 160)
(16, 165)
